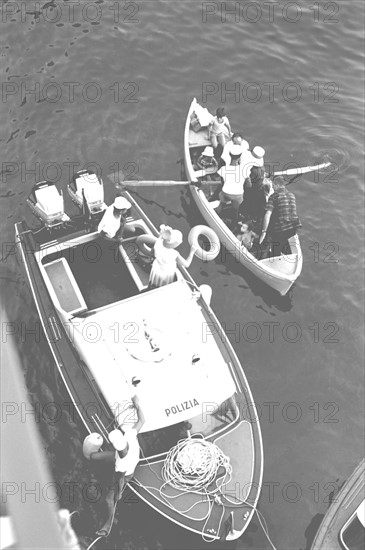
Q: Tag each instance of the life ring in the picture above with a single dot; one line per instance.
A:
(145, 245)
(215, 245)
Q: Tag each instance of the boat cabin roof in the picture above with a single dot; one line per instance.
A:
(163, 339)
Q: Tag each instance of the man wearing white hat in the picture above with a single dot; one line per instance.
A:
(234, 179)
(124, 459)
(112, 224)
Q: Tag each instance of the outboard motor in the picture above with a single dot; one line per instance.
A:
(46, 202)
(86, 185)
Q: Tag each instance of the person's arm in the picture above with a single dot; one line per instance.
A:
(186, 263)
(141, 419)
(228, 126)
(98, 456)
(265, 225)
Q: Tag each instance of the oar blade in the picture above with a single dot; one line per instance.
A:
(302, 170)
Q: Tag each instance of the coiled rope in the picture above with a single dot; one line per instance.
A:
(194, 464)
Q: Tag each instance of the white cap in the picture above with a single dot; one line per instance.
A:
(258, 152)
(118, 440)
(208, 151)
(235, 150)
(121, 203)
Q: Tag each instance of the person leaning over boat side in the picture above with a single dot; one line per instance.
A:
(167, 259)
(237, 139)
(281, 215)
(123, 460)
(111, 226)
(218, 127)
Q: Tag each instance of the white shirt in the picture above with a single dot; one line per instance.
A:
(227, 149)
(234, 178)
(109, 223)
(128, 464)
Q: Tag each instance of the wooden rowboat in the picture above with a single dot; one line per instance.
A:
(279, 272)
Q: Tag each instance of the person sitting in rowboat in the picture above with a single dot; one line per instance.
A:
(164, 267)
(122, 461)
(218, 127)
(280, 218)
(207, 161)
(246, 235)
(111, 226)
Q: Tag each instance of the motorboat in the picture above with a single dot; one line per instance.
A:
(112, 337)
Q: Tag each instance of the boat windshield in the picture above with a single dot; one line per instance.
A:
(207, 423)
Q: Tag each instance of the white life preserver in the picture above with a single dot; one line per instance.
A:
(215, 245)
(145, 244)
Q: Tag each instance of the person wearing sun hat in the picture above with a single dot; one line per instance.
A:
(167, 259)
(207, 161)
(111, 226)
(258, 154)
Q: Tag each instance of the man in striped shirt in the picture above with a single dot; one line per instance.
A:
(281, 214)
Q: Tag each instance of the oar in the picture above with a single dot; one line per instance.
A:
(200, 173)
(301, 170)
(151, 183)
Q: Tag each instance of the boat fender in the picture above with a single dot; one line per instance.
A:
(193, 238)
(206, 292)
(145, 244)
(92, 444)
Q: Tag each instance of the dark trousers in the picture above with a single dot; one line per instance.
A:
(279, 241)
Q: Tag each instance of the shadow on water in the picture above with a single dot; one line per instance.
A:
(312, 529)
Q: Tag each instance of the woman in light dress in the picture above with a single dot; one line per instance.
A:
(167, 259)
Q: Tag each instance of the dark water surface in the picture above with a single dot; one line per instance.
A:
(302, 353)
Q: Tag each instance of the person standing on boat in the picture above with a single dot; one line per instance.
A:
(122, 462)
(164, 267)
(237, 139)
(218, 128)
(254, 205)
(111, 226)
(280, 218)
(233, 178)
